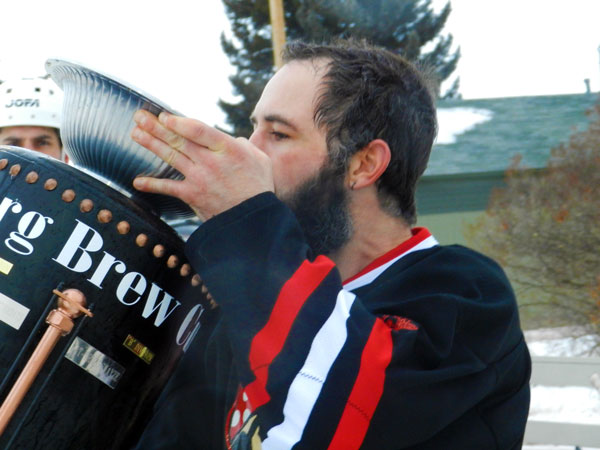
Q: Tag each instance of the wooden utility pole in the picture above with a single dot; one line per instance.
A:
(277, 30)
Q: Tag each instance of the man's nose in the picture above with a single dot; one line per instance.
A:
(257, 140)
(31, 145)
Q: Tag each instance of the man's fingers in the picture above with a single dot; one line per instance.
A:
(182, 133)
(150, 124)
(195, 131)
(171, 159)
(157, 185)
(164, 151)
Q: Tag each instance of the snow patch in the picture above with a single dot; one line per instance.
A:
(573, 404)
(453, 122)
(565, 404)
(555, 447)
(563, 341)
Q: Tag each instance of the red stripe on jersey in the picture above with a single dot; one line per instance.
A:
(367, 389)
(419, 234)
(269, 341)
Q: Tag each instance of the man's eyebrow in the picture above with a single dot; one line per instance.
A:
(276, 118)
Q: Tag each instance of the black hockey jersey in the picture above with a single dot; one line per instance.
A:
(420, 350)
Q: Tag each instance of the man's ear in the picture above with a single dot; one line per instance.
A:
(368, 164)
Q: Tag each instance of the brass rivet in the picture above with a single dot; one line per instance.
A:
(86, 205)
(185, 270)
(32, 177)
(172, 262)
(141, 240)
(104, 216)
(68, 195)
(14, 170)
(196, 280)
(159, 251)
(3, 163)
(50, 184)
(123, 227)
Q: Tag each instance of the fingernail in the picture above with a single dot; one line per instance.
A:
(162, 117)
(138, 182)
(136, 133)
(139, 117)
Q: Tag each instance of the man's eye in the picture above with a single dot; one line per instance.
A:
(279, 136)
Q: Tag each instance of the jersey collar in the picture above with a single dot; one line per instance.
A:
(421, 239)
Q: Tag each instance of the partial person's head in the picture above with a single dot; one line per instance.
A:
(327, 104)
(30, 115)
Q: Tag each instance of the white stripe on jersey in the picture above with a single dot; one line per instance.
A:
(306, 387)
(328, 342)
(371, 275)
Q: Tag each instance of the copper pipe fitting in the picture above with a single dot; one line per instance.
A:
(71, 304)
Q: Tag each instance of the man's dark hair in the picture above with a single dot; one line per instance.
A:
(371, 93)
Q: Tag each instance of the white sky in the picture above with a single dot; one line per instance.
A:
(525, 47)
(172, 51)
(169, 49)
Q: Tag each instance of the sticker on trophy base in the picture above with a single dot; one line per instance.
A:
(11, 312)
(5, 266)
(139, 349)
(94, 362)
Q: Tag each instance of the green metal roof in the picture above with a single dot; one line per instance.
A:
(441, 194)
(529, 126)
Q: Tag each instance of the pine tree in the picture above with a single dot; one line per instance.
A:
(402, 26)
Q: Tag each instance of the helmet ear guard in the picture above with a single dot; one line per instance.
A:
(30, 102)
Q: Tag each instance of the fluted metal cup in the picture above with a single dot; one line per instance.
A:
(97, 120)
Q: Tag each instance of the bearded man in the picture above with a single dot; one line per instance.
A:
(341, 326)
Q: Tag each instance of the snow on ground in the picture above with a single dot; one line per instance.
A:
(555, 447)
(574, 404)
(563, 341)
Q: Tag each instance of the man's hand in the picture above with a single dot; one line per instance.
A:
(220, 171)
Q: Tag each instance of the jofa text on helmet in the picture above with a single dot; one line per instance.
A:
(23, 102)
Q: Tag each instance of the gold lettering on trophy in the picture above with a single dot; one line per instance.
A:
(139, 349)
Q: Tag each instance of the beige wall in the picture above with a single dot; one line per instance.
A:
(449, 228)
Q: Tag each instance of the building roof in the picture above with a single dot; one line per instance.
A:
(485, 135)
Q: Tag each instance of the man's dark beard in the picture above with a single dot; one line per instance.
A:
(321, 207)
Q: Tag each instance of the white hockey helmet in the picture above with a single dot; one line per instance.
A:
(30, 101)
